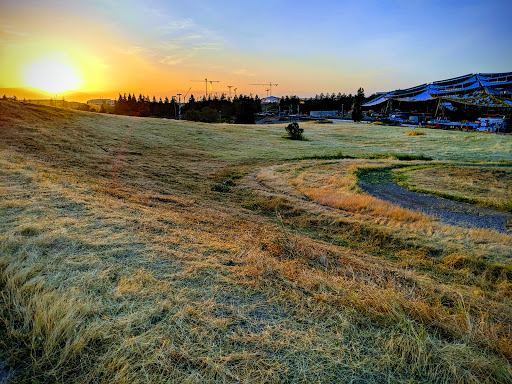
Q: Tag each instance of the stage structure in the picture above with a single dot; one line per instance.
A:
(492, 90)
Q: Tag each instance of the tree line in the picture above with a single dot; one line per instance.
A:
(322, 102)
(142, 106)
(241, 109)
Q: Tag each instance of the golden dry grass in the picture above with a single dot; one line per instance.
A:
(414, 133)
(119, 263)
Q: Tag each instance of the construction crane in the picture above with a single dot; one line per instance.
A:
(269, 85)
(179, 102)
(206, 81)
(230, 86)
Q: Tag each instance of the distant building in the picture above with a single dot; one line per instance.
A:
(420, 118)
(323, 113)
(100, 102)
(479, 89)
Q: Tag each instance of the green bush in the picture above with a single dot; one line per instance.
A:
(295, 132)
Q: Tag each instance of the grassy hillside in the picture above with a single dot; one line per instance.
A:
(146, 250)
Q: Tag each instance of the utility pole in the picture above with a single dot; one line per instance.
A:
(235, 91)
(179, 106)
(230, 86)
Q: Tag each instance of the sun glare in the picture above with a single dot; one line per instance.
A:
(52, 75)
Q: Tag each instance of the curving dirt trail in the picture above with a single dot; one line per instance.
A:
(447, 211)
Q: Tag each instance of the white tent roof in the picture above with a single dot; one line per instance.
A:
(270, 99)
(485, 89)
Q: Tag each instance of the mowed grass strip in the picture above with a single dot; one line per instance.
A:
(119, 263)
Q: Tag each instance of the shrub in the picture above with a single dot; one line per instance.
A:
(324, 121)
(294, 131)
(205, 115)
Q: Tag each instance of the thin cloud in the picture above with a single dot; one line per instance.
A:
(181, 41)
(174, 26)
(171, 60)
(130, 50)
(243, 72)
(10, 30)
(208, 46)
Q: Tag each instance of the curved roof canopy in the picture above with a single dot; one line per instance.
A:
(483, 89)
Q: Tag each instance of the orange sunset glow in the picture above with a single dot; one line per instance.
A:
(162, 48)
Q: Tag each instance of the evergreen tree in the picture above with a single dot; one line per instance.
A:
(357, 111)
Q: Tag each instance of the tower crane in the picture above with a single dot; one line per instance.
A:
(269, 85)
(186, 94)
(206, 81)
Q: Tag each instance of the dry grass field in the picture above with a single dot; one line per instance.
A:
(137, 250)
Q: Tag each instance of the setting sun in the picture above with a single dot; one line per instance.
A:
(52, 75)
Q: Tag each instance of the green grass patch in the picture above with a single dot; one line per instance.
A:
(335, 156)
(399, 156)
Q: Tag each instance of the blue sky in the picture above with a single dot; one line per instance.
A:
(306, 47)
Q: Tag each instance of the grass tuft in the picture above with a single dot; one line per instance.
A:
(415, 133)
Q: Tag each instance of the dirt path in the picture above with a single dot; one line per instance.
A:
(450, 212)
(447, 211)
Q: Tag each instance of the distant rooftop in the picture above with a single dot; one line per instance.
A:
(482, 89)
(270, 99)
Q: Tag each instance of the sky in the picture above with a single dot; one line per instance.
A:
(158, 47)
